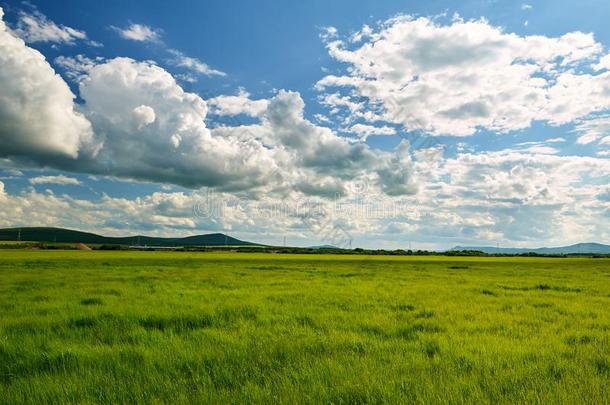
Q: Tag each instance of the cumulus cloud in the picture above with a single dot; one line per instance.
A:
(238, 104)
(148, 128)
(60, 179)
(457, 78)
(38, 119)
(143, 115)
(138, 123)
(153, 130)
(396, 176)
(313, 159)
(315, 147)
(76, 67)
(138, 33)
(604, 63)
(516, 197)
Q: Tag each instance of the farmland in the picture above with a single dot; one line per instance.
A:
(176, 327)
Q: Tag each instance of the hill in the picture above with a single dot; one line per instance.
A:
(579, 248)
(60, 235)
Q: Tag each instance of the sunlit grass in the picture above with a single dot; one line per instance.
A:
(146, 327)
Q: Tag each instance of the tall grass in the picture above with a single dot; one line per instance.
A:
(165, 327)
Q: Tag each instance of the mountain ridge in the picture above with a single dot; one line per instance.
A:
(577, 248)
(63, 235)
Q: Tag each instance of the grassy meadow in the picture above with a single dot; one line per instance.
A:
(171, 327)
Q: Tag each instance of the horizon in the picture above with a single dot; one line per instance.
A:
(367, 124)
(254, 242)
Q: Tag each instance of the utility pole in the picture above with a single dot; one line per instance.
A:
(19, 235)
(284, 241)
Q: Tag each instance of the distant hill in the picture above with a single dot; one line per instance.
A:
(584, 248)
(61, 235)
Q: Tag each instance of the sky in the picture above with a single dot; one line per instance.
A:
(376, 124)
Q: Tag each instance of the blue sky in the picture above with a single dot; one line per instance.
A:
(432, 123)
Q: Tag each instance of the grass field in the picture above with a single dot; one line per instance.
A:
(168, 327)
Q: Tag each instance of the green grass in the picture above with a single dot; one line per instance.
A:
(167, 327)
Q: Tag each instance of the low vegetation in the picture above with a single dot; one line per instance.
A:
(191, 327)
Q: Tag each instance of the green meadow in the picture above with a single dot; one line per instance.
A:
(173, 327)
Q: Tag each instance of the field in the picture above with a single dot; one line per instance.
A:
(171, 327)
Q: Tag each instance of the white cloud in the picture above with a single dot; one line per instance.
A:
(194, 64)
(60, 179)
(364, 131)
(364, 33)
(186, 78)
(321, 118)
(592, 129)
(144, 115)
(76, 67)
(541, 149)
(511, 196)
(604, 63)
(14, 172)
(396, 177)
(586, 139)
(526, 196)
(148, 128)
(144, 33)
(314, 147)
(38, 119)
(335, 100)
(467, 75)
(153, 130)
(139, 33)
(327, 33)
(36, 27)
(138, 123)
(239, 104)
(10, 174)
(526, 7)
(314, 159)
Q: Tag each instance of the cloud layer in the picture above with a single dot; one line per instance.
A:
(457, 78)
(134, 121)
